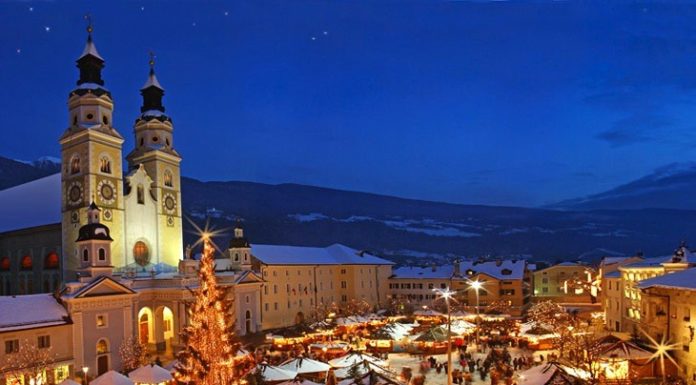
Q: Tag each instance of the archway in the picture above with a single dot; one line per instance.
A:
(164, 327)
(102, 356)
(247, 322)
(146, 333)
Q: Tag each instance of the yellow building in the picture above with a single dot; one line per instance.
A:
(668, 311)
(505, 285)
(566, 282)
(298, 281)
(36, 323)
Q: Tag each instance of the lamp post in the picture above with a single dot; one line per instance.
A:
(84, 372)
(447, 294)
(477, 285)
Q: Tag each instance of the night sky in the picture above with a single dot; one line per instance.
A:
(472, 102)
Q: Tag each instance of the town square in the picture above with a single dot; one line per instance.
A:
(299, 210)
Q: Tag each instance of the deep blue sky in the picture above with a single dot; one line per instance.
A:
(481, 102)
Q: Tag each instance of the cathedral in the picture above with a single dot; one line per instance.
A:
(142, 209)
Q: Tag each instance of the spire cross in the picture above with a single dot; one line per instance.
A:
(152, 60)
(88, 17)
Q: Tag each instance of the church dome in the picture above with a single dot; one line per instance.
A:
(94, 231)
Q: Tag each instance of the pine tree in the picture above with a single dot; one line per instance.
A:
(208, 356)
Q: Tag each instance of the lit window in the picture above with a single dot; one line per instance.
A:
(105, 165)
(141, 253)
(101, 321)
(11, 346)
(102, 347)
(168, 179)
(75, 165)
(27, 263)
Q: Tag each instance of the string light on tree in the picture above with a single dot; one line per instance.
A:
(210, 348)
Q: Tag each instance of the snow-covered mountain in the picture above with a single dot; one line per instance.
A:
(669, 187)
(14, 172)
(405, 230)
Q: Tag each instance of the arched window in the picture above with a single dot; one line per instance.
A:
(168, 179)
(236, 257)
(105, 165)
(75, 164)
(5, 264)
(85, 255)
(102, 254)
(52, 261)
(27, 263)
(141, 253)
(102, 346)
(141, 194)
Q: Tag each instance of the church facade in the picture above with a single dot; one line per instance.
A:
(142, 210)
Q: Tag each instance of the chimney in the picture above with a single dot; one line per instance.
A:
(457, 267)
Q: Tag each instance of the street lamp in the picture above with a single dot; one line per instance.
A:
(84, 371)
(477, 285)
(448, 294)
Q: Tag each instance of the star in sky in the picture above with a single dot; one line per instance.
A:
(314, 38)
(227, 13)
(142, 8)
(31, 9)
(47, 29)
(19, 51)
(325, 33)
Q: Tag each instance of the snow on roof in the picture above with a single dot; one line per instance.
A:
(335, 254)
(353, 358)
(612, 260)
(305, 365)
(152, 81)
(150, 374)
(112, 378)
(31, 311)
(507, 269)
(90, 49)
(31, 204)
(685, 279)
(273, 373)
(648, 262)
(613, 274)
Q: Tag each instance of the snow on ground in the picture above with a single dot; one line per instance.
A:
(397, 361)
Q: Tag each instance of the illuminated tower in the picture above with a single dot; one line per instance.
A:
(91, 159)
(154, 152)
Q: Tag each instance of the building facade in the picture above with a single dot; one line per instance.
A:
(505, 285)
(566, 282)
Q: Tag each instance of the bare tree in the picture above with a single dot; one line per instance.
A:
(29, 363)
(133, 354)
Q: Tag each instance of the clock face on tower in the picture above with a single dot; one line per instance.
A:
(169, 203)
(75, 193)
(107, 192)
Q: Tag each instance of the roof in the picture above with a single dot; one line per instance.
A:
(685, 279)
(648, 262)
(335, 254)
(90, 49)
(35, 203)
(152, 81)
(31, 311)
(305, 365)
(613, 274)
(94, 231)
(506, 269)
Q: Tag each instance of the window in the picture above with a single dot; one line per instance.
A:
(102, 347)
(105, 120)
(85, 255)
(141, 253)
(141, 194)
(275, 306)
(102, 254)
(236, 257)
(101, 320)
(5, 263)
(431, 286)
(75, 164)
(545, 280)
(265, 290)
(105, 165)
(168, 178)
(443, 286)
(265, 306)
(343, 271)
(344, 285)
(51, 261)
(544, 289)
(27, 263)
(44, 342)
(247, 299)
(11, 346)
(344, 298)
(275, 289)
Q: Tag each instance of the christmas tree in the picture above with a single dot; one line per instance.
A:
(207, 358)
